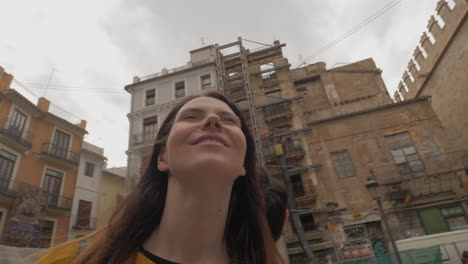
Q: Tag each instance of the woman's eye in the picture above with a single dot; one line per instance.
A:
(190, 117)
(230, 120)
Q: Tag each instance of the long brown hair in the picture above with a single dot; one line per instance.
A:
(247, 236)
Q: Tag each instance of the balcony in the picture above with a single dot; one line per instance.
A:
(420, 176)
(144, 138)
(57, 203)
(15, 136)
(277, 111)
(58, 154)
(7, 192)
(292, 148)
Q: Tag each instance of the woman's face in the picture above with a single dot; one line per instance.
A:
(206, 139)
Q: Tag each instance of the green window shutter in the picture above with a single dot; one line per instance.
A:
(433, 221)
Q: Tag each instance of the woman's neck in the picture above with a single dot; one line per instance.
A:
(193, 223)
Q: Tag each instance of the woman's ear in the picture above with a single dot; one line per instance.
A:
(243, 172)
(163, 164)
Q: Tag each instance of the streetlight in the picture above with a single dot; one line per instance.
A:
(373, 188)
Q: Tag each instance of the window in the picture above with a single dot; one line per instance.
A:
(17, 123)
(179, 89)
(52, 184)
(308, 222)
(343, 165)
(405, 155)
(47, 230)
(60, 143)
(89, 169)
(298, 188)
(7, 163)
(150, 128)
(150, 97)
(84, 214)
(205, 81)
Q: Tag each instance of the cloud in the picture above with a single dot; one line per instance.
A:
(105, 43)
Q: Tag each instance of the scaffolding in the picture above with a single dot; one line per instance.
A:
(238, 85)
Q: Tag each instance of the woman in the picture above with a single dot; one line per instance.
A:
(199, 200)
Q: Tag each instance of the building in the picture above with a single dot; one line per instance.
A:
(86, 198)
(111, 192)
(339, 127)
(439, 69)
(152, 98)
(39, 159)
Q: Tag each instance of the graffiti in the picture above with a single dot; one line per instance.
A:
(379, 248)
(356, 250)
(23, 227)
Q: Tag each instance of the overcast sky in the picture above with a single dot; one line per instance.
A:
(89, 45)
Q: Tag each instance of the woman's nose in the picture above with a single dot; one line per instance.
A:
(212, 121)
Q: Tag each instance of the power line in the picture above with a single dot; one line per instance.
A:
(350, 32)
(54, 105)
(72, 87)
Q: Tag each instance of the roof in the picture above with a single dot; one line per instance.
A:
(117, 171)
(13, 92)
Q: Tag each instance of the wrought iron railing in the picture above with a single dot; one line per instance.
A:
(60, 202)
(60, 152)
(7, 187)
(16, 132)
(290, 146)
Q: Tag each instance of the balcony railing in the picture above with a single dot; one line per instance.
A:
(142, 138)
(277, 110)
(60, 153)
(16, 132)
(291, 148)
(437, 173)
(7, 188)
(59, 202)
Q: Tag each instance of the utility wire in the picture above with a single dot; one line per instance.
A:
(350, 32)
(58, 107)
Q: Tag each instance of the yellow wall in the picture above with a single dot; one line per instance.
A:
(30, 165)
(111, 187)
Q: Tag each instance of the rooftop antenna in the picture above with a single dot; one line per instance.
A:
(48, 81)
(202, 40)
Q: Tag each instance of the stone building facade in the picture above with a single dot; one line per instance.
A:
(339, 127)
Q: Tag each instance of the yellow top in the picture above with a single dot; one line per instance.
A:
(67, 253)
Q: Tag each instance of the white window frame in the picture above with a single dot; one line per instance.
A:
(17, 162)
(200, 83)
(55, 169)
(66, 132)
(155, 96)
(52, 240)
(174, 89)
(3, 220)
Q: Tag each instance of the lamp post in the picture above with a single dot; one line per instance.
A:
(373, 186)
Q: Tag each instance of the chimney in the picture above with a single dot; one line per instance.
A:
(83, 124)
(5, 79)
(43, 104)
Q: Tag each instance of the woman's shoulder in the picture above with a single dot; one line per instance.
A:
(63, 254)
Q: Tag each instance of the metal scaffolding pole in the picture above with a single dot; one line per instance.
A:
(295, 220)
